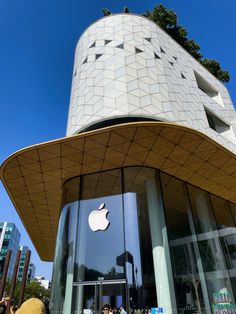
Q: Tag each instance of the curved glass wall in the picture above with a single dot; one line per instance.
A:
(144, 239)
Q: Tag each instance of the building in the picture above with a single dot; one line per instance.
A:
(31, 269)
(143, 185)
(43, 282)
(9, 240)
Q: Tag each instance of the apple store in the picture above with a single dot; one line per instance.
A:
(136, 205)
(139, 237)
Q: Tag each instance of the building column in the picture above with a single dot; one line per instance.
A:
(160, 247)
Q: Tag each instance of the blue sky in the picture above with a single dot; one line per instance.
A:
(37, 42)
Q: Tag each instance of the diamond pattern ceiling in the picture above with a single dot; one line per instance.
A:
(34, 176)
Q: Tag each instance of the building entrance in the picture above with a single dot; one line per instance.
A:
(90, 296)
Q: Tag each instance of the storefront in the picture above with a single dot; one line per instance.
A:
(155, 239)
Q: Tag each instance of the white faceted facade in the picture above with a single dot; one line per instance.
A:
(126, 66)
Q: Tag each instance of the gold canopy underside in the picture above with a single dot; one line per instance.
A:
(34, 176)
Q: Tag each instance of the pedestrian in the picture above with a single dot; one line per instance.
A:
(122, 310)
(115, 310)
(4, 304)
(106, 309)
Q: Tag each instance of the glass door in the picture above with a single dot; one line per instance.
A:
(90, 296)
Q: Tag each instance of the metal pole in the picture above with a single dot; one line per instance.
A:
(4, 274)
(14, 278)
(24, 278)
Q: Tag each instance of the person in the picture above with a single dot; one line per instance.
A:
(31, 306)
(3, 307)
(3, 304)
(115, 310)
(146, 310)
(122, 310)
(106, 309)
(92, 308)
(13, 309)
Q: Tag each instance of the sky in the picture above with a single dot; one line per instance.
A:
(37, 43)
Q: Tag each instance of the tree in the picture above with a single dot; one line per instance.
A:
(214, 67)
(32, 290)
(168, 20)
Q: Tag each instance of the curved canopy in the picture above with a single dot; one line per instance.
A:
(34, 176)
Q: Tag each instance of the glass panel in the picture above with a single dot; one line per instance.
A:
(208, 236)
(85, 299)
(63, 268)
(138, 256)
(225, 223)
(186, 266)
(89, 299)
(202, 210)
(212, 255)
(70, 191)
(113, 294)
(100, 239)
(223, 215)
(229, 247)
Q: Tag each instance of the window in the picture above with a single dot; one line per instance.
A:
(216, 123)
(208, 89)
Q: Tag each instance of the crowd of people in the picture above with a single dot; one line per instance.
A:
(36, 306)
(32, 305)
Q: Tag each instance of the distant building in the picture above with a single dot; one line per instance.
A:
(43, 282)
(9, 240)
(31, 269)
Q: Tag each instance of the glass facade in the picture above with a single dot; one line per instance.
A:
(9, 240)
(141, 238)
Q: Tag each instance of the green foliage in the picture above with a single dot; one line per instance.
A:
(32, 290)
(168, 20)
(214, 67)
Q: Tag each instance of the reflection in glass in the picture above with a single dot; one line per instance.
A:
(140, 270)
(212, 255)
(97, 250)
(64, 259)
(186, 266)
(223, 214)
(90, 298)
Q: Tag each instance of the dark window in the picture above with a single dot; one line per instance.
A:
(208, 89)
(97, 56)
(156, 56)
(121, 46)
(93, 45)
(85, 60)
(107, 41)
(137, 50)
(216, 123)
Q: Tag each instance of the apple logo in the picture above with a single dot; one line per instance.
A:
(97, 218)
